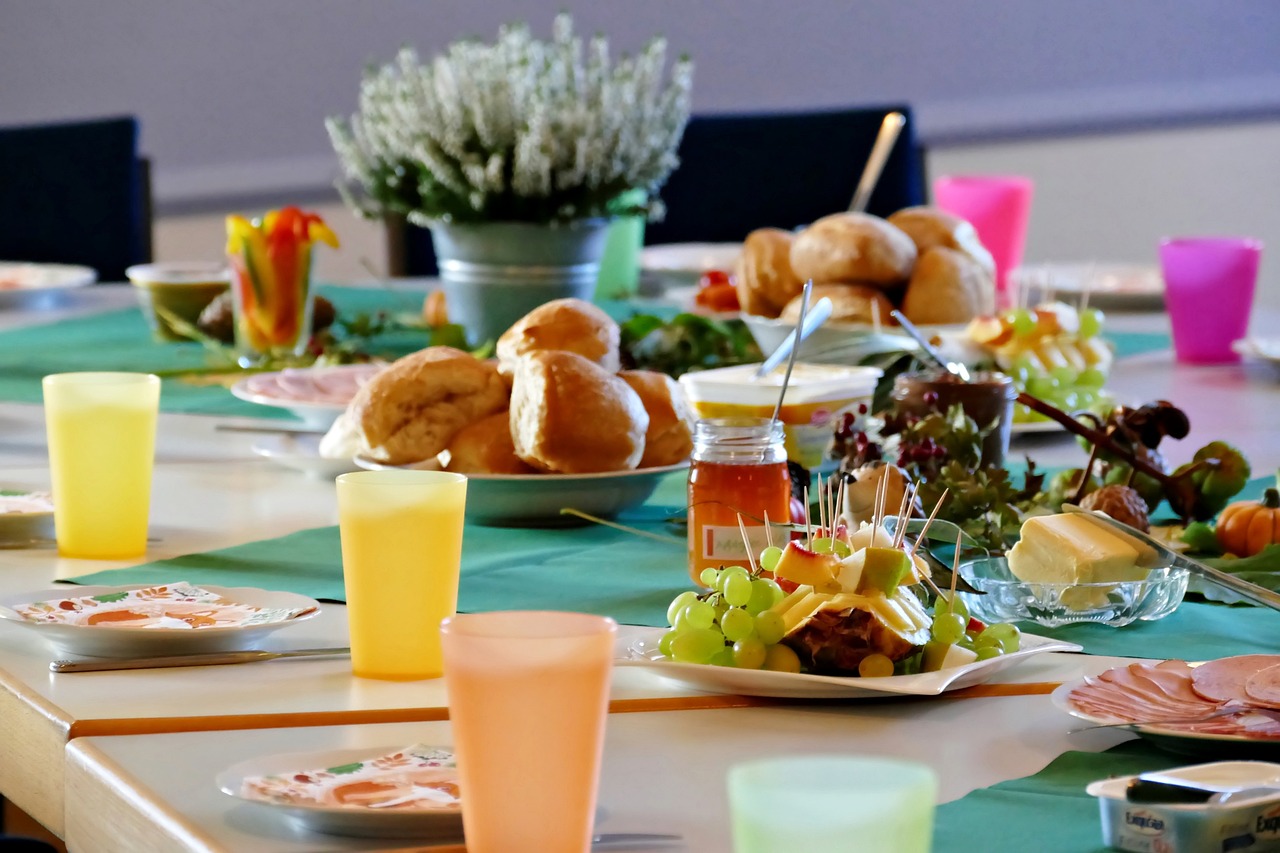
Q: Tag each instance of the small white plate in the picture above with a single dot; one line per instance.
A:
(24, 523)
(302, 453)
(643, 651)
(686, 262)
(535, 500)
(1263, 349)
(27, 286)
(317, 395)
(120, 642)
(1120, 286)
(444, 825)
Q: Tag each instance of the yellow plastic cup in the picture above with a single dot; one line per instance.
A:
(528, 699)
(401, 535)
(101, 430)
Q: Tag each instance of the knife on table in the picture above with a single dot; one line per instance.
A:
(1253, 592)
(210, 659)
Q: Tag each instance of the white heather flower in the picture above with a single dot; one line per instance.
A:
(518, 129)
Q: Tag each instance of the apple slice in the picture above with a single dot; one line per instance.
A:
(802, 566)
(883, 569)
(989, 332)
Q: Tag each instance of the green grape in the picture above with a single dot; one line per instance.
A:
(769, 627)
(986, 639)
(708, 577)
(1004, 632)
(677, 605)
(700, 615)
(769, 558)
(1025, 365)
(1091, 377)
(781, 659)
(822, 545)
(1022, 321)
(1066, 376)
(765, 593)
(842, 549)
(724, 657)
(737, 589)
(948, 628)
(749, 653)
(875, 666)
(664, 644)
(988, 652)
(696, 645)
(1091, 320)
(1067, 400)
(1043, 387)
(737, 624)
(954, 605)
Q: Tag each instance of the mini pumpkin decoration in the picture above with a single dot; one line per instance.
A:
(1246, 527)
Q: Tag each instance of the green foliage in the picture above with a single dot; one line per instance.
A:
(685, 343)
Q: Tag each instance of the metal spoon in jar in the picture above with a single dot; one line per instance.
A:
(953, 367)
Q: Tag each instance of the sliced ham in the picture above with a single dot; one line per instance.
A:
(1142, 693)
(1263, 687)
(1223, 680)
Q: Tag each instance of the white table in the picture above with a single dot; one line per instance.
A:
(211, 492)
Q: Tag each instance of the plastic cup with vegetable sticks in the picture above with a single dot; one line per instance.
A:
(401, 535)
(825, 804)
(1209, 286)
(101, 430)
(816, 396)
(528, 699)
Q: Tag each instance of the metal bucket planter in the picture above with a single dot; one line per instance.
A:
(494, 273)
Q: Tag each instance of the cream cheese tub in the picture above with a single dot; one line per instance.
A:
(1241, 813)
(816, 396)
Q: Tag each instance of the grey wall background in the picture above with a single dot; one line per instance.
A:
(232, 93)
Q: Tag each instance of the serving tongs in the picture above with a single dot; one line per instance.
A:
(1251, 591)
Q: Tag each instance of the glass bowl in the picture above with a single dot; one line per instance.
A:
(1008, 599)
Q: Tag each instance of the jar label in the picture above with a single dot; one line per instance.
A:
(724, 542)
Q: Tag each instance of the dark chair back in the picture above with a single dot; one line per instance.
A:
(75, 193)
(742, 172)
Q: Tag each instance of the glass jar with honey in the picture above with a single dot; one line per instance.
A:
(739, 470)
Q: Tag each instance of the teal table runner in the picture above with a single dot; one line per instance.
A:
(120, 340)
(1048, 812)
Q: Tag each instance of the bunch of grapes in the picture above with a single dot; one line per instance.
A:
(952, 625)
(731, 623)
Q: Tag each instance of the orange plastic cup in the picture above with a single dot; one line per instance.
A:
(528, 697)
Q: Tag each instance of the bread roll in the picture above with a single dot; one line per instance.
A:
(571, 325)
(486, 447)
(948, 287)
(930, 226)
(853, 247)
(411, 410)
(763, 277)
(571, 416)
(851, 303)
(669, 438)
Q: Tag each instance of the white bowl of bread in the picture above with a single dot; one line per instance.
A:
(551, 423)
(922, 261)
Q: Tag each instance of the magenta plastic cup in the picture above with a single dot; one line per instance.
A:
(998, 206)
(1209, 284)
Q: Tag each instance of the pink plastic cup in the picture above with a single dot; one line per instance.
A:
(998, 206)
(1209, 284)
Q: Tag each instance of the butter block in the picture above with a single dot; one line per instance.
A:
(1070, 548)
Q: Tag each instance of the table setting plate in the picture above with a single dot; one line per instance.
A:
(1131, 287)
(535, 500)
(302, 453)
(317, 395)
(26, 519)
(1262, 349)
(643, 651)
(443, 824)
(31, 286)
(685, 263)
(117, 641)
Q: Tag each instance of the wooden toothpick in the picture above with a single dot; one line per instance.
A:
(929, 521)
(955, 568)
(768, 529)
(808, 527)
(746, 540)
(822, 505)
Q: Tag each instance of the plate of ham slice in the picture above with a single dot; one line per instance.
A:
(1224, 706)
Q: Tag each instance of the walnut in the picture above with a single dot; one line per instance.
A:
(1121, 503)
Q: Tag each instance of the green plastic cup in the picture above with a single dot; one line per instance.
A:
(620, 265)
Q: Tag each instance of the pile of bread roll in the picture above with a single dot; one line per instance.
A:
(924, 261)
(553, 401)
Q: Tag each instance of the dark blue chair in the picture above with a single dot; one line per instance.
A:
(75, 193)
(742, 172)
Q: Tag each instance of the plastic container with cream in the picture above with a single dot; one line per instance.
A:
(816, 395)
